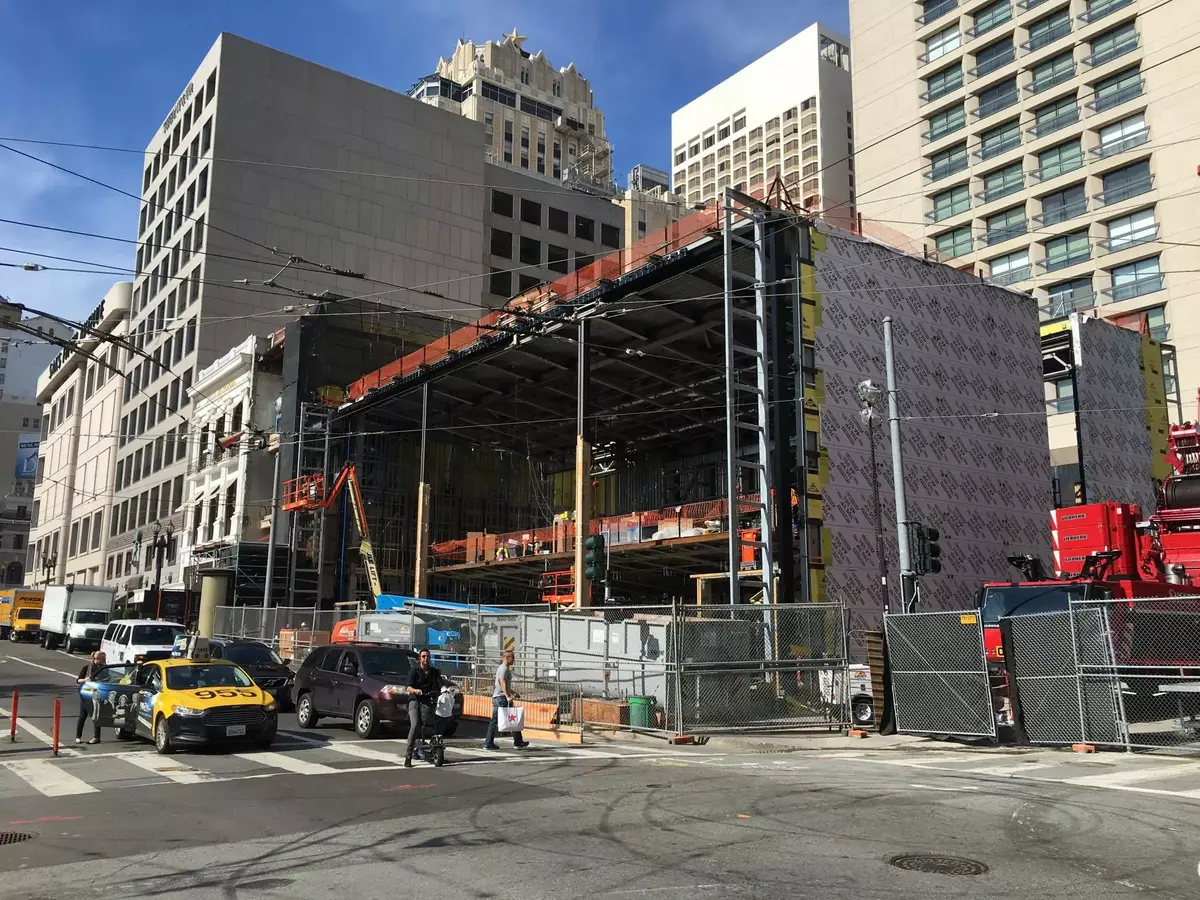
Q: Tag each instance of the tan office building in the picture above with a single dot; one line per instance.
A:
(1049, 145)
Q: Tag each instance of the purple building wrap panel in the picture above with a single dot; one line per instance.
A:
(973, 422)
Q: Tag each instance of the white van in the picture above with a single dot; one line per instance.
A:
(134, 640)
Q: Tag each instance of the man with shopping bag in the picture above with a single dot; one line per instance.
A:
(505, 716)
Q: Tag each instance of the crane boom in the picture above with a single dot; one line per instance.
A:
(307, 493)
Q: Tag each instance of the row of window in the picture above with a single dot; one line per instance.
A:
(152, 457)
(126, 562)
(504, 204)
(86, 534)
(191, 116)
(1041, 32)
(724, 129)
(92, 376)
(214, 526)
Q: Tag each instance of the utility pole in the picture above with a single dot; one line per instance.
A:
(908, 578)
(868, 396)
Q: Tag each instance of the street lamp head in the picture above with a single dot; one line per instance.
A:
(868, 393)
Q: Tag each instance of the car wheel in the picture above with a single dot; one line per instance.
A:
(12, 636)
(306, 713)
(864, 712)
(366, 722)
(162, 737)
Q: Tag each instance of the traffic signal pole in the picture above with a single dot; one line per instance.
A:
(908, 578)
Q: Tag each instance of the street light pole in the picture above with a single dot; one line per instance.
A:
(162, 541)
(868, 396)
(908, 577)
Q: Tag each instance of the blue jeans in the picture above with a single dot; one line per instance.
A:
(489, 739)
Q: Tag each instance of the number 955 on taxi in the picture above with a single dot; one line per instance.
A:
(183, 701)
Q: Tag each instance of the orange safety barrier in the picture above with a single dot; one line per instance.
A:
(12, 717)
(57, 723)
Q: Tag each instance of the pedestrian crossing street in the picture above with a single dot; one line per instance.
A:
(124, 765)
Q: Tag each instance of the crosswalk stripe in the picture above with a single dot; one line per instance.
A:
(1005, 770)
(47, 778)
(167, 768)
(287, 763)
(1134, 776)
(361, 752)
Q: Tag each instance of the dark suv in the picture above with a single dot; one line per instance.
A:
(362, 682)
(262, 664)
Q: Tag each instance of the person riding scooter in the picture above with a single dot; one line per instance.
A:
(425, 683)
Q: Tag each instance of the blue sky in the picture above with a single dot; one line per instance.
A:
(106, 73)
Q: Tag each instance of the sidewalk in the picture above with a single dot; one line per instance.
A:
(833, 742)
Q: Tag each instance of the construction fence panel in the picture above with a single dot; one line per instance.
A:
(763, 697)
(940, 679)
(1139, 664)
(290, 630)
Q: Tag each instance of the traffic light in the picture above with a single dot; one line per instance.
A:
(925, 549)
(595, 560)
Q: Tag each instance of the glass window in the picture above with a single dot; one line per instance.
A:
(531, 212)
(558, 220)
(993, 56)
(1003, 182)
(1126, 182)
(1069, 296)
(1098, 9)
(585, 228)
(997, 97)
(500, 283)
(992, 16)
(1113, 44)
(1050, 29)
(1129, 231)
(951, 203)
(156, 635)
(1063, 205)
(1006, 224)
(1056, 115)
(1068, 250)
(1124, 135)
(1136, 279)
(501, 243)
(955, 243)
(942, 43)
(946, 122)
(941, 83)
(948, 161)
(217, 675)
(1000, 139)
(1060, 160)
(1120, 88)
(502, 203)
(1053, 71)
(1011, 268)
(531, 251)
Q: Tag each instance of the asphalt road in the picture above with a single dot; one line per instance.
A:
(648, 822)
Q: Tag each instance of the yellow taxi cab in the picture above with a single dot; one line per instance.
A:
(182, 701)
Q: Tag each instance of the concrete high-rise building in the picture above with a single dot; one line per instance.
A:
(1049, 145)
(787, 114)
(373, 192)
(536, 118)
(649, 205)
(80, 395)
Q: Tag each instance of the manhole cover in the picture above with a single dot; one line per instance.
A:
(939, 865)
(15, 837)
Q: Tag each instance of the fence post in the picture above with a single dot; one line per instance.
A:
(675, 661)
(57, 723)
(1078, 674)
(1112, 655)
(12, 722)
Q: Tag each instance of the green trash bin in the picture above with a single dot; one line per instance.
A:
(641, 711)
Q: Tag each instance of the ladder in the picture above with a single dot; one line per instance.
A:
(306, 537)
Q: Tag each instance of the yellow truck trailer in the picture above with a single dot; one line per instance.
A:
(20, 614)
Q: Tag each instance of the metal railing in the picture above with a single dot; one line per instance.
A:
(1097, 11)
(1116, 51)
(995, 148)
(993, 63)
(942, 130)
(1056, 78)
(1063, 213)
(1046, 38)
(944, 91)
(997, 104)
(1104, 102)
(1129, 142)
(1133, 239)
(937, 215)
(1012, 276)
(1000, 235)
(987, 195)
(1064, 262)
(991, 25)
(1054, 123)
(1139, 287)
(945, 170)
(1126, 191)
(1059, 307)
(1055, 171)
(933, 13)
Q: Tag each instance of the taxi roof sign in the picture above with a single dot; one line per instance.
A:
(192, 647)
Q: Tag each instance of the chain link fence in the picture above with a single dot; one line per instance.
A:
(940, 681)
(674, 670)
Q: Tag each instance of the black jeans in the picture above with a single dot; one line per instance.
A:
(489, 740)
(87, 708)
(415, 726)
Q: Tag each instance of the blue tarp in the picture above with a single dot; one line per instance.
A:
(395, 603)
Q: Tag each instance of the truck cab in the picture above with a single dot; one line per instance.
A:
(20, 615)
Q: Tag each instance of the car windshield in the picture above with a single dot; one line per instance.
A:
(1027, 599)
(190, 678)
(385, 662)
(29, 613)
(91, 617)
(251, 655)
(155, 635)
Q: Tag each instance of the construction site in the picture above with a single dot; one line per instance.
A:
(693, 402)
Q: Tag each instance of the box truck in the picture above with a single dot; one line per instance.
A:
(74, 616)
(20, 612)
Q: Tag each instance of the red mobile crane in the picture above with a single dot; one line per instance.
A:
(1106, 551)
(307, 493)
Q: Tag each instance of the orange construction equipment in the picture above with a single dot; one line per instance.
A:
(557, 588)
(307, 494)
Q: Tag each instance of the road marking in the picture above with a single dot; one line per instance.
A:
(361, 752)
(167, 768)
(38, 734)
(71, 675)
(44, 819)
(655, 890)
(279, 761)
(1004, 770)
(47, 778)
(944, 790)
(409, 787)
(1133, 776)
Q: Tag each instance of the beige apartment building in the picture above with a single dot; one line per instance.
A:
(80, 397)
(537, 118)
(1048, 145)
(786, 115)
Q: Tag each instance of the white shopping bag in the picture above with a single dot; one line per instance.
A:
(510, 718)
(445, 705)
